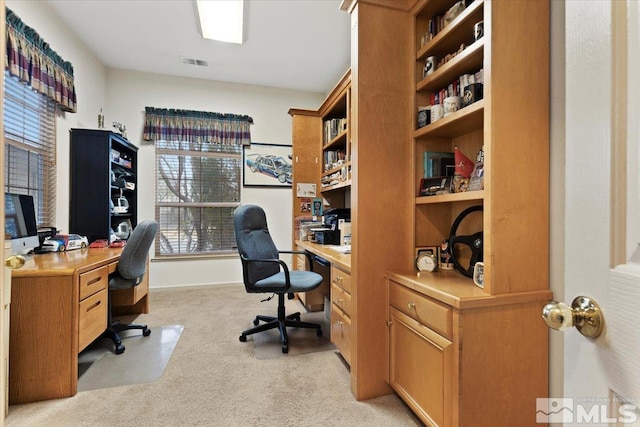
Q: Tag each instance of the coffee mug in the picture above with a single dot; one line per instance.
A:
(451, 104)
(471, 94)
(424, 116)
(436, 112)
(478, 30)
(429, 66)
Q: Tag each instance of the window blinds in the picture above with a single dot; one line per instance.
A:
(197, 190)
(30, 146)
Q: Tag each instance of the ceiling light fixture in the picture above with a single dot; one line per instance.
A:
(221, 20)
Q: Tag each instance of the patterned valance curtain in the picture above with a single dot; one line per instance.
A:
(196, 126)
(31, 59)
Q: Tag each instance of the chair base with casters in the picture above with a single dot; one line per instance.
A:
(114, 328)
(281, 322)
(131, 269)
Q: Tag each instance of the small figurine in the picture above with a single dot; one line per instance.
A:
(445, 256)
(121, 128)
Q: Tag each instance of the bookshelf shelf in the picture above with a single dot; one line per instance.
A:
(459, 123)
(336, 169)
(469, 61)
(337, 142)
(453, 197)
(457, 32)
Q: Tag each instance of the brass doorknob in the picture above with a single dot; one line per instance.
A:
(14, 261)
(584, 314)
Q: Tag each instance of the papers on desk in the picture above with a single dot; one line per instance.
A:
(346, 249)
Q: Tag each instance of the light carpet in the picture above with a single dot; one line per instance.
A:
(144, 359)
(213, 379)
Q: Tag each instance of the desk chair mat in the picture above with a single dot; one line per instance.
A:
(143, 361)
(267, 344)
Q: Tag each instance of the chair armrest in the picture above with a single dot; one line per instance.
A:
(287, 277)
(305, 253)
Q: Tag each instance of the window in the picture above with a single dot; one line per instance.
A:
(30, 146)
(197, 190)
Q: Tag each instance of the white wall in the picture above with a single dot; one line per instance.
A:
(123, 95)
(130, 91)
(90, 83)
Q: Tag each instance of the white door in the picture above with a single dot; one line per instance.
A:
(594, 113)
(4, 287)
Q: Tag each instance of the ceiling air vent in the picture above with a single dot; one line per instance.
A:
(198, 62)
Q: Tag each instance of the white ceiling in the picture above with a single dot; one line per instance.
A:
(292, 44)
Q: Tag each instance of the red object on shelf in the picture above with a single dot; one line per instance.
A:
(100, 243)
(118, 244)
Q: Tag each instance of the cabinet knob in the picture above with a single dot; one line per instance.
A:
(339, 300)
(14, 261)
(339, 279)
(339, 323)
(411, 305)
(389, 322)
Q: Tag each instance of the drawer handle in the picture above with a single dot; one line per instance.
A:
(339, 300)
(339, 279)
(91, 282)
(91, 307)
(339, 323)
(411, 305)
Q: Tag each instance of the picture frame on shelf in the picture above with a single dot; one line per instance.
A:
(432, 250)
(267, 165)
(476, 180)
(435, 186)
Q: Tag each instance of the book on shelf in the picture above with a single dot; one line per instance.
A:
(438, 164)
(333, 128)
(334, 158)
(476, 180)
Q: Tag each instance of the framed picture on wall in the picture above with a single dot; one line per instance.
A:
(267, 165)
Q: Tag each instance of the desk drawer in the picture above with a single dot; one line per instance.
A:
(425, 310)
(93, 281)
(341, 278)
(341, 299)
(341, 332)
(92, 318)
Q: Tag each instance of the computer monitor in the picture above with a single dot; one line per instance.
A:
(20, 222)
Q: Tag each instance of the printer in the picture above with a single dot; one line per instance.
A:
(330, 233)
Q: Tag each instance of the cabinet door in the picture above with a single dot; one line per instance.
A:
(341, 332)
(420, 368)
(307, 134)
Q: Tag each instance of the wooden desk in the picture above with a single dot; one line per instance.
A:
(334, 257)
(341, 291)
(58, 307)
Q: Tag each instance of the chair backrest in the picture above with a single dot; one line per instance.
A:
(133, 259)
(254, 242)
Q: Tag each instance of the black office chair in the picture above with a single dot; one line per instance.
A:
(131, 268)
(264, 272)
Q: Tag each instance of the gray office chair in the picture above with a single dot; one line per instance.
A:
(131, 269)
(264, 272)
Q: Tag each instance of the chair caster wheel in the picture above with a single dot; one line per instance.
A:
(297, 318)
(255, 322)
(146, 332)
(285, 349)
(119, 349)
(243, 338)
(319, 332)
